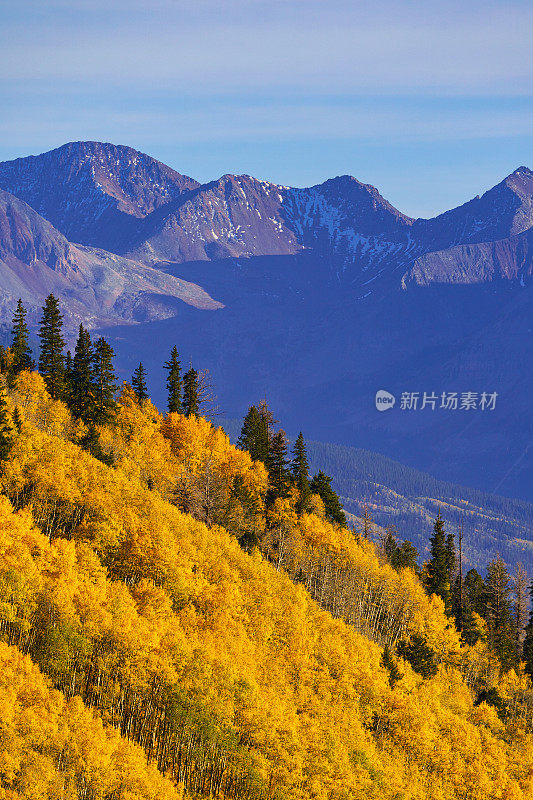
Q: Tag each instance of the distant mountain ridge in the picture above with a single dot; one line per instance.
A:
(93, 192)
(314, 298)
(118, 199)
(95, 286)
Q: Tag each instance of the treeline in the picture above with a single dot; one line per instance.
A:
(266, 508)
(354, 465)
(86, 382)
(494, 609)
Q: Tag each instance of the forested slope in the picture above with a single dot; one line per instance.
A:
(236, 647)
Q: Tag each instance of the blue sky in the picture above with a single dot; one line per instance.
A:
(429, 101)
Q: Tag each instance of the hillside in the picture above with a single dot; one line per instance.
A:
(408, 499)
(234, 681)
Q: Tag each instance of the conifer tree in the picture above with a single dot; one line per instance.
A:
(138, 383)
(105, 387)
(17, 419)
(300, 472)
(500, 626)
(438, 568)
(527, 647)
(388, 661)
(6, 431)
(20, 349)
(321, 485)
(451, 558)
(191, 401)
(174, 382)
(51, 358)
(400, 556)
(82, 390)
(475, 593)
(278, 466)
(419, 655)
(256, 432)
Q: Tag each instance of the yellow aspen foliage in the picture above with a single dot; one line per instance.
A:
(59, 750)
(240, 674)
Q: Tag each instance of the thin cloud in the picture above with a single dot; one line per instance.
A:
(329, 46)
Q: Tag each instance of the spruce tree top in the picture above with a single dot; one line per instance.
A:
(138, 383)
(22, 356)
(51, 358)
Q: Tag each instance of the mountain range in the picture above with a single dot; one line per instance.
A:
(314, 298)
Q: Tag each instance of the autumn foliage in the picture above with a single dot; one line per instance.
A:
(164, 632)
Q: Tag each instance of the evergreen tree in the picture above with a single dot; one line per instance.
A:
(256, 432)
(388, 661)
(174, 382)
(81, 398)
(468, 600)
(17, 419)
(20, 349)
(105, 387)
(6, 431)
(300, 472)
(500, 626)
(527, 647)
(492, 698)
(420, 656)
(400, 556)
(191, 400)
(91, 443)
(68, 373)
(438, 568)
(451, 558)
(278, 471)
(51, 358)
(475, 593)
(138, 383)
(321, 485)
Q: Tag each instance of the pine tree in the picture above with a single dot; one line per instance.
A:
(81, 398)
(138, 384)
(191, 402)
(400, 556)
(20, 349)
(17, 419)
(501, 638)
(6, 431)
(105, 387)
(321, 485)
(51, 358)
(388, 661)
(419, 655)
(91, 443)
(278, 466)
(300, 472)
(475, 593)
(438, 569)
(256, 432)
(527, 647)
(451, 558)
(174, 382)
